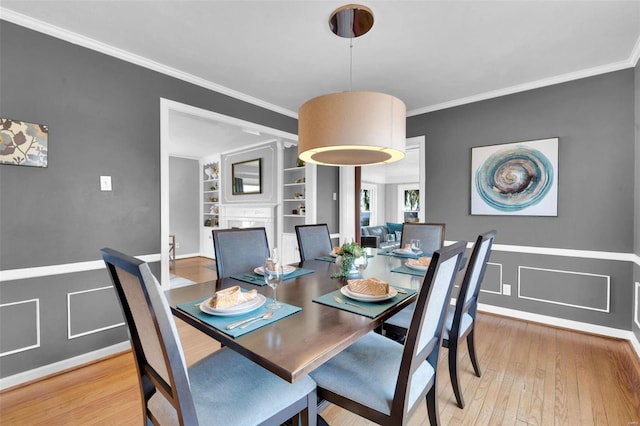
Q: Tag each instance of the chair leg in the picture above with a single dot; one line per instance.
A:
(472, 352)
(311, 412)
(453, 372)
(432, 406)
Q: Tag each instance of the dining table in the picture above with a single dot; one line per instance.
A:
(315, 331)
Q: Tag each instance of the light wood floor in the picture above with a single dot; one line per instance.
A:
(532, 375)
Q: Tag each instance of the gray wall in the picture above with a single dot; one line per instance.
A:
(184, 204)
(328, 209)
(593, 117)
(104, 119)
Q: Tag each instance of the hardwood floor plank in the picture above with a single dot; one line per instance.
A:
(547, 363)
(530, 378)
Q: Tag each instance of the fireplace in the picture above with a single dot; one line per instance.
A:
(249, 216)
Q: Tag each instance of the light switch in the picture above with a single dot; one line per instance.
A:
(105, 183)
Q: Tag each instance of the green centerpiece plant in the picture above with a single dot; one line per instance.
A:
(347, 254)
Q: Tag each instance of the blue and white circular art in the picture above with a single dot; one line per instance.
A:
(514, 179)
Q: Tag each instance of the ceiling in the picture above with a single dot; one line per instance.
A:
(278, 54)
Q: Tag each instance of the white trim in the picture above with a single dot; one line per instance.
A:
(558, 322)
(501, 281)
(166, 107)
(635, 53)
(635, 344)
(188, 255)
(636, 311)
(589, 72)
(65, 268)
(60, 366)
(551, 251)
(89, 43)
(69, 268)
(86, 333)
(555, 302)
(37, 344)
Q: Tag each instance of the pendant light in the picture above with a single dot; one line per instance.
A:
(353, 128)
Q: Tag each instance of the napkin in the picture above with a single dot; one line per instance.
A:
(369, 286)
(421, 261)
(230, 297)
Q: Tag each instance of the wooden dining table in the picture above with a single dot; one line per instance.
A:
(295, 345)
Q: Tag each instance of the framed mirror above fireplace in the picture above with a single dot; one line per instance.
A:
(246, 177)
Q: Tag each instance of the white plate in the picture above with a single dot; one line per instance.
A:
(406, 252)
(333, 254)
(366, 297)
(286, 270)
(416, 267)
(240, 309)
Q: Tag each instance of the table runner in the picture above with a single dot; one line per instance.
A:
(219, 323)
(371, 309)
(257, 279)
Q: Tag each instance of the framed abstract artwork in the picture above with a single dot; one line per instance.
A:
(23, 144)
(516, 179)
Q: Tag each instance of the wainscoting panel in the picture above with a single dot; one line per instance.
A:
(492, 282)
(92, 311)
(14, 338)
(567, 288)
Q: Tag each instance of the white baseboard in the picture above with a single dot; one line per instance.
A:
(635, 343)
(564, 323)
(57, 367)
(188, 255)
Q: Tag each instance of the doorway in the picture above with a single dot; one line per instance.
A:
(248, 135)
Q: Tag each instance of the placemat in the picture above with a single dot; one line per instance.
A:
(257, 279)
(406, 270)
(405, 255)
(368, 309)
(327, 258)
(219, 323)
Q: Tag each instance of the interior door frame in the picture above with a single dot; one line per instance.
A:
(166, 107)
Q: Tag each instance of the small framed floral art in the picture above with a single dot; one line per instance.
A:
(23, 144)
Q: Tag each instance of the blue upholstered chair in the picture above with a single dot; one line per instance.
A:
(384, 381)
(239, 250)
(461, 318)
(431, 235)
(223, 388)
(313, 241)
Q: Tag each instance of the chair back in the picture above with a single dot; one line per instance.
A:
(467, 301)
(313, 241)
(156, 348)
(239, 250)
(431, 235)
(425, 330)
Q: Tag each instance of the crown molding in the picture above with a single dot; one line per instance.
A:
(590, 72)
(71, 37)
(635, 54)
(89, 43)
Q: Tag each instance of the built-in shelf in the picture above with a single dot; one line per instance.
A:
(210, 196)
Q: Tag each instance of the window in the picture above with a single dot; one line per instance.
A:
(367, 205)
(409, 202)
